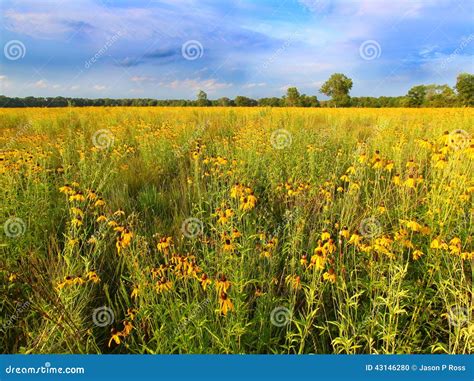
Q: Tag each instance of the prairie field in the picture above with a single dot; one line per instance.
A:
(245, 230)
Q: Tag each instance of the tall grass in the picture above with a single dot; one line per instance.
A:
(135, 230)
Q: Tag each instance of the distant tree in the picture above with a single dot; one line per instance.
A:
(416, 96)
(439, 96)
(309, 101)
(465, 89)
(337, 87)
(270, 102)
(224, 102)
(292, 98)
(241, 101)
(202, 100)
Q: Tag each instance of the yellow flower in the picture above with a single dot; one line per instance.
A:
(99, 203)
(163, 285)
(344, 233)
(165, 244)
(93, 277)
(205, 281)
(355, 239)
(438, 244)
(325, 235)
(77, 197)
(248, 202)
(115, 337)
(76, 222)
(410, 182)
(330, 275)
(318, 260)
(222, 284)
(124, 240)
(225, 303)
(135, 292)
(417, 254)
(101, 218)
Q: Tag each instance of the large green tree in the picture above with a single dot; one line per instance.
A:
(202, 99)
(416, 96)
(292, 97)
(465, 89)
(337, 87)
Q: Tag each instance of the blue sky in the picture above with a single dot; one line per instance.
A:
(173, 48)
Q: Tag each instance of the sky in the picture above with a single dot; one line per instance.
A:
(170, 49)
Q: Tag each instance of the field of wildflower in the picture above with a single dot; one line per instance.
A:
(220, 230)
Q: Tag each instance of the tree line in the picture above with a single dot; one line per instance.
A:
(337, 87)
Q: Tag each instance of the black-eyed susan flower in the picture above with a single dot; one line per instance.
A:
(222, 284)
(225, 304)
(115, 337)
(417, 254)
(330, 275)
(205, 281)
(164, 244)
(93, 277)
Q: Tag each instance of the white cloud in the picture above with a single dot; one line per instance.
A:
(99, 87)
(142, 78)
(209, 85)
(41, 84)
(252, 85)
